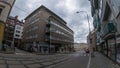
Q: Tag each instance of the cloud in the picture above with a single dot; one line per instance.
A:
(66, 9)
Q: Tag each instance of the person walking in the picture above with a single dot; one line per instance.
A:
(92, 52)
(3, 46)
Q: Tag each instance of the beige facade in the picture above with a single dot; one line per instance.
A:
(80, 46)
(91, 40)
(5, 8)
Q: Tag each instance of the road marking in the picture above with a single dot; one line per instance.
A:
(88, 65)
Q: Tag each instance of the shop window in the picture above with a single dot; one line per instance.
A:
(118, 53)
(111, 48)
(0, 11)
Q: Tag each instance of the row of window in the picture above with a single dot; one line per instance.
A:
(33, 17)
(60, 27)
(60, 39)
(19, 27)
(116, 6)
(32, 29)
(17, 31)
(59, 32)
(32, 36)
(17, 35)
(34, 21)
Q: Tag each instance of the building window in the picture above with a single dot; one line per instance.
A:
(1, 8)
(18, 27)
(7, 25)
(17, 31)
(17, 35)
(12, 23)
(0, 11)
(116, 6)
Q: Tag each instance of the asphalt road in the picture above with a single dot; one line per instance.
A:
(74, 60)
(78, 60)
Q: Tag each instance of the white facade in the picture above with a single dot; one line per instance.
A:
(18, 32)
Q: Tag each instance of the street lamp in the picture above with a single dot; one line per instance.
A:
(87, 17)
(88, 25)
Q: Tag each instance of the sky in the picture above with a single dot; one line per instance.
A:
(66, 9)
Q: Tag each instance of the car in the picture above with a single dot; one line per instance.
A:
(87, 51)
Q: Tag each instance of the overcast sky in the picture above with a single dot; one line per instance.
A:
(66, 9)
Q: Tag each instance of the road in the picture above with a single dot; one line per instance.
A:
(78, 60)
(74, 60)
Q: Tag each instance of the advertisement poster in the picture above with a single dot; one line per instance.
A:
(1, 31)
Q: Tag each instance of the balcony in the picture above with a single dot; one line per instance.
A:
(48, 24)
(47, 31)
(108, 30)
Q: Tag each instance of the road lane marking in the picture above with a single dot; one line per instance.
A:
(88, 65)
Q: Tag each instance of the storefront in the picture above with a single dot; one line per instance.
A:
(112, 49)
(105, 46)
(118, 49)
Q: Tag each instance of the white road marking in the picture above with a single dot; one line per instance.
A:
(88, 65)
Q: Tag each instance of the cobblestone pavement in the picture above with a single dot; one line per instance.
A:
(30, 61)
(100, 61)
(20, 60)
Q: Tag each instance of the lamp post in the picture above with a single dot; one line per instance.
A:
(87, 17)
(89, 40)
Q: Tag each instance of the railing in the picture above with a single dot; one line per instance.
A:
(48, 24)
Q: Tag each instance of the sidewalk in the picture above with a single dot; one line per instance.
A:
(100, 61)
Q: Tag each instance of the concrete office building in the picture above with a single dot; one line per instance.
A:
(44, 32)
(5, 8)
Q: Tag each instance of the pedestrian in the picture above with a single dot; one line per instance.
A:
(3, 45)
(92, 52)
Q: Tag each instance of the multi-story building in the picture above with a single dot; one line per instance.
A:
(80, 46)
(44, 31)
(91, 40)
(13, 31)
(107, 24)
(5, 8)
(18, 33)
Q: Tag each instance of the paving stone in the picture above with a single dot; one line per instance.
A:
(34, 66)
(27, 62)
(100, 61)
(13, 62)
(2, 66)
(17, 66)
(47, 63)
(2, 62)
(1, 58)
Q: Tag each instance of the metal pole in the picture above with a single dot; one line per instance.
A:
(87, 18)
(88, 24)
